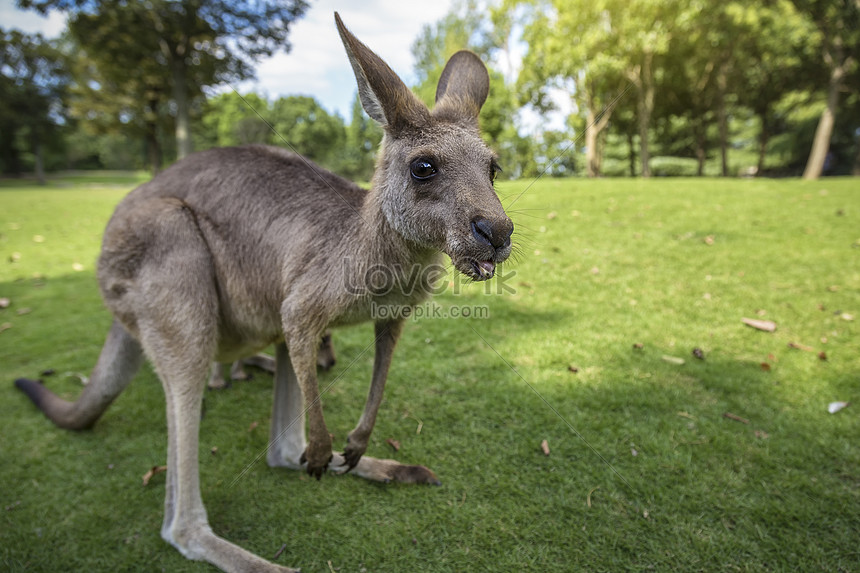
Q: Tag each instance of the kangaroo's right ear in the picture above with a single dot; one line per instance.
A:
(383, 95)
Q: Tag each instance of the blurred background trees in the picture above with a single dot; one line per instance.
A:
(592, 88)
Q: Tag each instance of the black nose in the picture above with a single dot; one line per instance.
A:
(497, 235)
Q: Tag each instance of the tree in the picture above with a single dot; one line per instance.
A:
(221, 37)
(774, 41)
(234, 119)
(302, 124)
(119, 87)
(838, 24)
(33, 85)
(362, 139)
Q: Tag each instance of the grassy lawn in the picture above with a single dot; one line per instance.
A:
(614, 279)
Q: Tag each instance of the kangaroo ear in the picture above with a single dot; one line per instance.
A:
(383, 95)
(464, 84)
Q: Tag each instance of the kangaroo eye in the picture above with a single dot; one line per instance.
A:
(494, 170)
(422, 169)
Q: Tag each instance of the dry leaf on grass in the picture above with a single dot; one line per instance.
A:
(822, 355)
(699, 353)
(154, 471)
(736, 418)
(765, 366)
(572, 369)
(834, 407)
(765, 325)
(799, 346)
(544, 446)
(395, 445)
(588, 498)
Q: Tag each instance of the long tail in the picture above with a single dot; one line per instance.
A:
(120, 359)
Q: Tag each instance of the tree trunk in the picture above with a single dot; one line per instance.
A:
(701, 155)
(645, 108)
(722, 80)
(631, 153)
(180, 97)
(153, 150)
(38, 152)
(821, 142)
(153, 146)
(592, 168)
(763, 139)
(596, 121)
(856, 169)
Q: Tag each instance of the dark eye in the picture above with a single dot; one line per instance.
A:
(494, 170)
(422, 169)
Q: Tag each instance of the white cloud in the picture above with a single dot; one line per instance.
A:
(317, 64)
(30, 21)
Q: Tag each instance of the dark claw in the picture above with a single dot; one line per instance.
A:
(351, 458)
(315, 471)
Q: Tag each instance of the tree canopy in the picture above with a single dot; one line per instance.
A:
(195, 43)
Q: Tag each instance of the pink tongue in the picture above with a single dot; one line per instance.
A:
(487, 267)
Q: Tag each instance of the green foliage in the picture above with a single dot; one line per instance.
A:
(33, 85)
(298, 123)
(152, 49)
(644, 471)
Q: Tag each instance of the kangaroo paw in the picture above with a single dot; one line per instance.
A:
(316, 465)
(352, 453)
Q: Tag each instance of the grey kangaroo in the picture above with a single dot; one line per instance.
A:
(231, 250)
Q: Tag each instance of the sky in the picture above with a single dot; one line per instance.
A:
(317, 64)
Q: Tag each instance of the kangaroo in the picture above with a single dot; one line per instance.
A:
(325, 360)
(231, 250)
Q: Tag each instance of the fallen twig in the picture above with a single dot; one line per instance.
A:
(736, 418)
(281, 550)
(152, 472)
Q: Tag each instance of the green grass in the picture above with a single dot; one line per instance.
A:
(602, 266)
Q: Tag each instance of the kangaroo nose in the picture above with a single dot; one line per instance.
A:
(498, 236)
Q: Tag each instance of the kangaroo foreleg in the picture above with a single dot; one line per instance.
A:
(387, 334)
(303, 355)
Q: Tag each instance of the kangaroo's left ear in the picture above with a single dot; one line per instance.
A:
(464, 85)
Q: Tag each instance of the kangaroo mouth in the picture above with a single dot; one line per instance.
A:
(482, 270)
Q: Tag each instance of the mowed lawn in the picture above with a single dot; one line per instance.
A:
(658, 459)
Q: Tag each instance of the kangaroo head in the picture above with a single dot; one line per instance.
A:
(434, 175)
